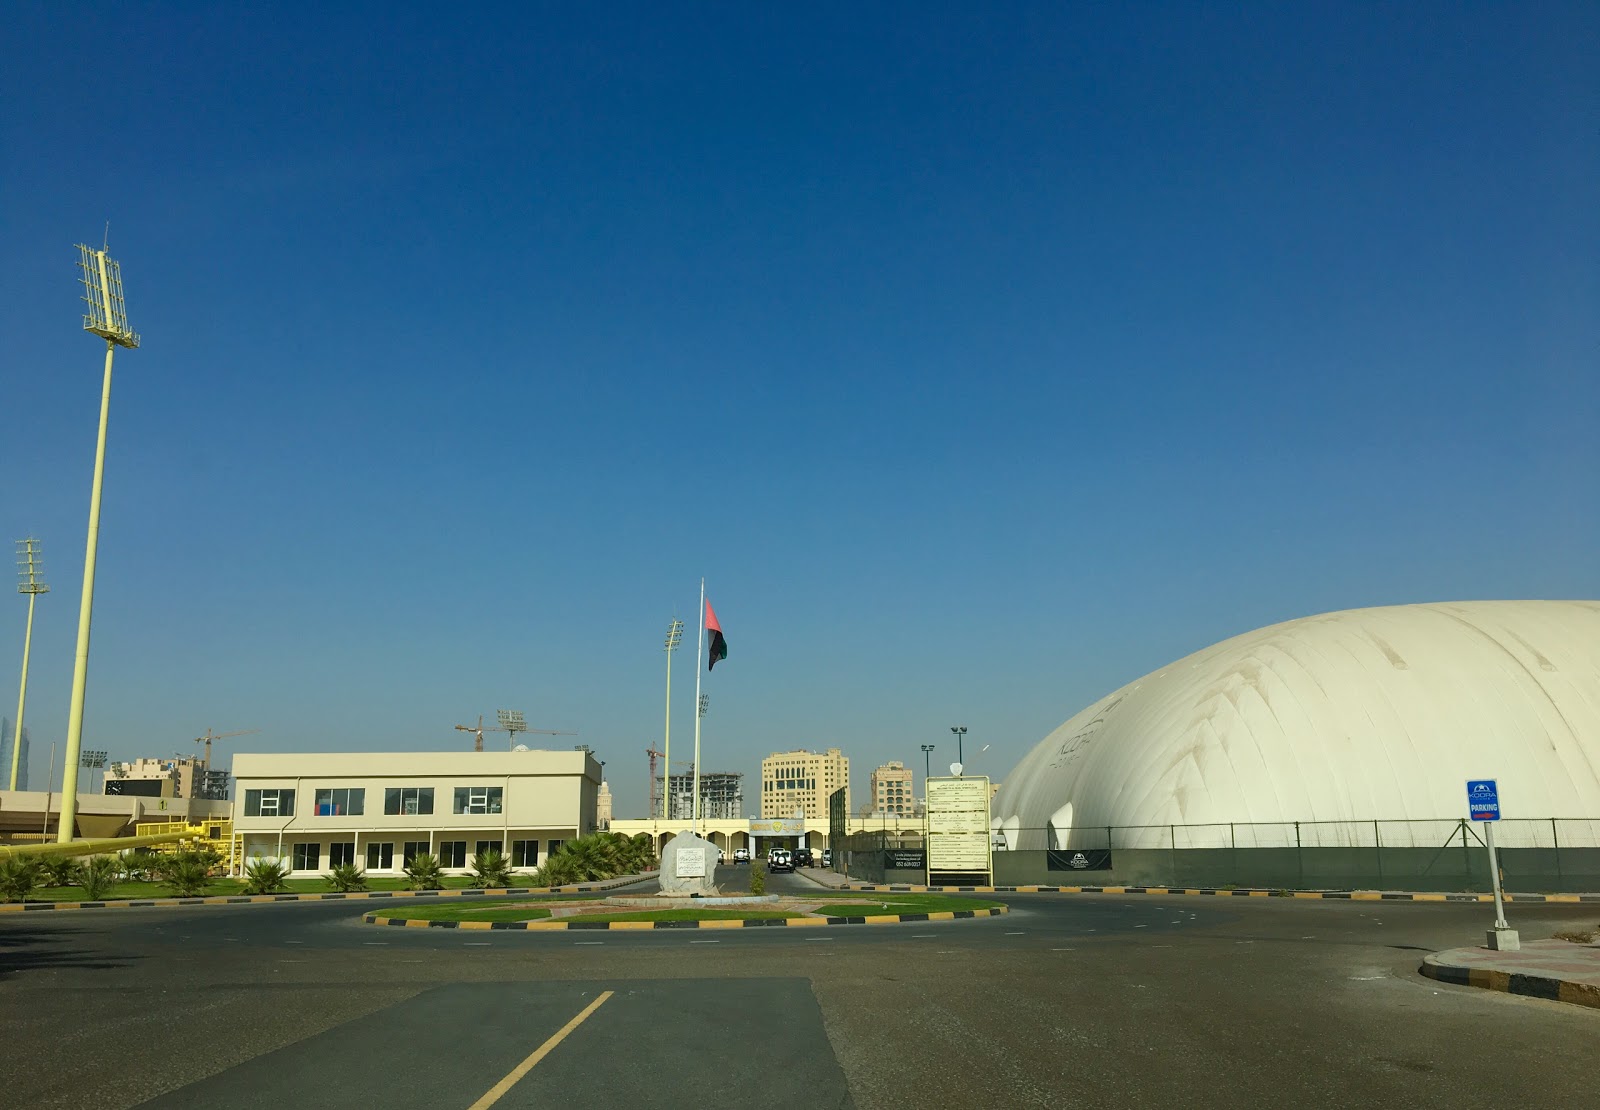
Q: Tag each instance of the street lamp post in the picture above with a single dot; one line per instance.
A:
(961, 735)
(108, 318)
(927, 765)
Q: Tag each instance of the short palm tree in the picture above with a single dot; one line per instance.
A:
(424, 872)
(265, 876)
(187, 874)
(98, 876)
(18, 877)
(491, 869)
(59, 871)
(346, 877)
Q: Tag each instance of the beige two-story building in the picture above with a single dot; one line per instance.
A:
(380, 809)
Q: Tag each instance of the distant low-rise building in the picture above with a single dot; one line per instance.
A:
(890, 790)
(381, 809)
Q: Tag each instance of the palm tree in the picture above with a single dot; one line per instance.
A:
(424, 872)
(18, 876)
(491, 869)
(187, 874)
(265, 876)
(98, 876)
(346, 877)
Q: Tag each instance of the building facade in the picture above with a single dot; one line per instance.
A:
(801, 781)
(379, 810)
(188, 778)
(721, 796)
(891, 790)
(602, 806)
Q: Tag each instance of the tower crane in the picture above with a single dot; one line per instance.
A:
(478, 730)
(205, 760)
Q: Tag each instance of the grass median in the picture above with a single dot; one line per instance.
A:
(872, 905)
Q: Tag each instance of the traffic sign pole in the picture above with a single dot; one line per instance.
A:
(1494, 874)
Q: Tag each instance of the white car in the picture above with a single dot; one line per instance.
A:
(741, 855)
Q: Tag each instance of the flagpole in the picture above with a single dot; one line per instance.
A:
(698, 712)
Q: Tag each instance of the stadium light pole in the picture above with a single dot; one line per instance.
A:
(674, 638)
(108, 318)
(31, 574)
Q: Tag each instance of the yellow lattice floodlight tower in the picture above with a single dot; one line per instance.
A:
(102, 282)
(108, 318)
(215, 833)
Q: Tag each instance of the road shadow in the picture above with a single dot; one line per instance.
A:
(34, 948)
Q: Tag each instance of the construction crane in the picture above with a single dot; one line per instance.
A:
(205, 760)
(478, 730)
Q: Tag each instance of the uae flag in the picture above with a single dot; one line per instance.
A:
(719, 646)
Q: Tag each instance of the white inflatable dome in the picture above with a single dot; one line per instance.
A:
(1362, 726)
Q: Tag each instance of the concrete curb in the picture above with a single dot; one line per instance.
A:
(330, 896)
(1554, 988)
(1346, 895)
(751, 923)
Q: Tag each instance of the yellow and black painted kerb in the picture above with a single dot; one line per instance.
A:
(331, 896)
(750, 923)
(1533, 986)
(1348, 895)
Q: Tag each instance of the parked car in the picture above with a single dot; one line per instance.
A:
(827, 857)
(741, 855)
(803, 857)
(780, 860)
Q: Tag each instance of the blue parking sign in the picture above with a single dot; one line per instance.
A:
(1483, 799)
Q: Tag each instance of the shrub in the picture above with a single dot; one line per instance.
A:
(490, 869)
(98, 876)
(1577, 936)
(136, 865)
(424, 873)
(18, 877)
(347, 877)
(758, 877)
(186, 874)
(59, 871)
(265, 876)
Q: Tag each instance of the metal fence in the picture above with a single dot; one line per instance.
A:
(1536, 854)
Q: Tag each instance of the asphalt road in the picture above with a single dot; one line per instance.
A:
(1068, 1001)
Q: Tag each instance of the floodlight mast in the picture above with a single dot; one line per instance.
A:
(674, 638)
(31, 574)
(108, 318)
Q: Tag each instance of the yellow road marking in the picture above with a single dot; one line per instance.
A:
(495, 1093)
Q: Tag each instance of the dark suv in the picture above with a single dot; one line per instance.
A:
(803, 857)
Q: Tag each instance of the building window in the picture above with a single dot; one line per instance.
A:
(269, 803)
(555, 845)
(307, 857)
(415, 848)
(341, 802)
(478, 799)
(341, 853)
(380, 857)
(408, 800)
(452, 853)
(524, 853)
(485, 846)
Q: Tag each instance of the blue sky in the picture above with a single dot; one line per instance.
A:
(981, 361)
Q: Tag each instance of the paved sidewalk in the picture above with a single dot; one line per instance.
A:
(824, 878)
(1553, 969)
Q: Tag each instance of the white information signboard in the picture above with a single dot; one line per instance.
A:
(958, 824)
(691, 863)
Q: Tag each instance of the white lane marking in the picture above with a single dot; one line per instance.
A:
(1161, 946)
(705, 942)
(286, 942)
(1014, 934)
(923, 936)
(376, 943)
(1365, 978)
(1063, 949)
(588, 942)
(1141, 926)
(819, 938)
(477, 944)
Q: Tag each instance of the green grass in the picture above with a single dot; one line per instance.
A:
(687, 915)
(473, 912)
(870, 903)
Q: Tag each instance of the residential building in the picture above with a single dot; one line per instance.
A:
(721, 796)
(890, 789)
(381, 809)
(802, 780)
(177, 777)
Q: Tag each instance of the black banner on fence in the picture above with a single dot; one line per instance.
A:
(905, 859)
(1088, 859)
